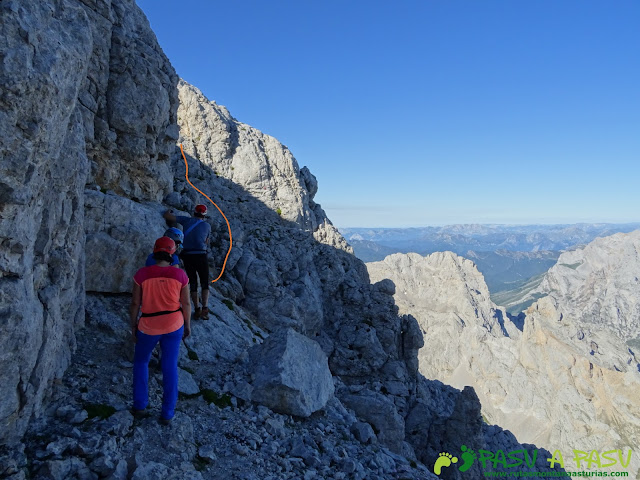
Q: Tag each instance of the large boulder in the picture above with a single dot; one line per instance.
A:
(291, 374)
(120, 236)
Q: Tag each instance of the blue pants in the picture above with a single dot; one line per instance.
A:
(170, 346)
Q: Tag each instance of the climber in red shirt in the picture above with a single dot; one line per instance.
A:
(161, 293)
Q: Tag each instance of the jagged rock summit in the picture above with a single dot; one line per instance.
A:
(566, 380)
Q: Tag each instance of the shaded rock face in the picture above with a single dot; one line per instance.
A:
(292, 374)
(548, 383)
(87, 97)
(285, 271)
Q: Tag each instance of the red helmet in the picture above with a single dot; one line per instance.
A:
(165, 244)
(201, 209)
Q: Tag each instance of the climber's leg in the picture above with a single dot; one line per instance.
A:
(141, 357)
(170, 345)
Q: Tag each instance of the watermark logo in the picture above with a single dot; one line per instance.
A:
(525, 459)
(444, 460)
(468, 458)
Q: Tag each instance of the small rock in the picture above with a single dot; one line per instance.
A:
(88, 446)
(103, 465)
(65, 411)
(274, 427)
(270, 448)
(149, 470)
(349, 466)
(206, 452)
(121, 471)
(242, 390)
(240, 449)
(363, 432)
(263, 413)
(186, 383)
(312, 460)
(386, 462)
(60, 446)
(120, 423)
(79, 417)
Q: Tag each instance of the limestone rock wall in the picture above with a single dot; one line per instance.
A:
(244, 155)
(87, 97)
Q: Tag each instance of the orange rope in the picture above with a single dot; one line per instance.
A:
(186, 175)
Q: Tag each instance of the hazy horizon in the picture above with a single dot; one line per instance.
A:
(486, 225)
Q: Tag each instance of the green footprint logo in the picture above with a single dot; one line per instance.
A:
(444, 460)
(468, 457)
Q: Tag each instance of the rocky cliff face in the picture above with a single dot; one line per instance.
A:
(89, 160)
(599, 285)
(545, 383)
(87, 98)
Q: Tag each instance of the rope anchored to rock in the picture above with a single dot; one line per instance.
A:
(186, 175)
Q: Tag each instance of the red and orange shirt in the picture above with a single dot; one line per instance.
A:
(161, 288)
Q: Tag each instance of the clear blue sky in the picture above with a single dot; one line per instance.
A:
(431, 112)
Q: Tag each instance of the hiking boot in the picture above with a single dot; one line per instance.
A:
(205, 313)
(164, 421)
(197, 313)
(138, 414)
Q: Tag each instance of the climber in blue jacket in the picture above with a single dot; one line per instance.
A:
(177, 236)
(194, 255)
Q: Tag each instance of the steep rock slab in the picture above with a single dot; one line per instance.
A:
(246, 156)
(291, 374)
(129, 101)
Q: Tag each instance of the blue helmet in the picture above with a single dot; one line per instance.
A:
(175, 234)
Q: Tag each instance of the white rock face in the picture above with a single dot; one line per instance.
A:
(542, 383)
(244, 155)
(599, 285)
(291, 374)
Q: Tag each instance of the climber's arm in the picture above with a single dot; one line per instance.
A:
(170, 218)
(185, 300)
(136, 300)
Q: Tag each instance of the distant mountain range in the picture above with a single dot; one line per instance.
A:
(479, 237)
(508, 256)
